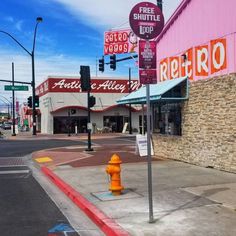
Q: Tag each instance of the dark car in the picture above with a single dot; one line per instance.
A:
(6, 125)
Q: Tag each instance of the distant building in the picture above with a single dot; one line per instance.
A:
(63, 106)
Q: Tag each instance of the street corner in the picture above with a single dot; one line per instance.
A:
(53, 158)
(42, 158)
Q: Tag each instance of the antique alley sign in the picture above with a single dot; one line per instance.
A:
(146, 20)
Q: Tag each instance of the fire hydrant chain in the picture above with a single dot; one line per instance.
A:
(113, 169)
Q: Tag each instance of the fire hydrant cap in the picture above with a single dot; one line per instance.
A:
(115, 159)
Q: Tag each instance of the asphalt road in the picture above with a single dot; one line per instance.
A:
(26, 210)
(25, 207)
(18, 148)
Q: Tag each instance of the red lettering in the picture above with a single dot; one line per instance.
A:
(115, 48)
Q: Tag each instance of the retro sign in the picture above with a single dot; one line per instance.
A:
(199, 61)
(122, 41)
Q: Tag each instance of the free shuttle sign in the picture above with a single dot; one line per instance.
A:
(146, 20)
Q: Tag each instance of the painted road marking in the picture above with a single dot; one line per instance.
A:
(6, 172)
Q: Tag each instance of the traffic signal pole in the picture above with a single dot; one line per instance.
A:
(86, 86)
(88, 126)
(69, 123)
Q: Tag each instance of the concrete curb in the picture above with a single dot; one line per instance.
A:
(106, 224)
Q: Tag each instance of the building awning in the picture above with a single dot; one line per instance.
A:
(169, 90)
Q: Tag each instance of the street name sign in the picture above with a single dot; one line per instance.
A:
(16, 88)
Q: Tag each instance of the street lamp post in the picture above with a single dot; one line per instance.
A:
(39, 19)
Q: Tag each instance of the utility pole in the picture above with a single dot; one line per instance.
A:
(13, 103)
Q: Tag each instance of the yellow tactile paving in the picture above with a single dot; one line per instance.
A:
(43, 159)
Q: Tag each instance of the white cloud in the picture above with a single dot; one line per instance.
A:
(18, 25)
(100, 14)
(109, 13)
(9, 19)
(56, 65)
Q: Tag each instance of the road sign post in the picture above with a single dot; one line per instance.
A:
(147, 21)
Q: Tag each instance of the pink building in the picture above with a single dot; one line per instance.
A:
(195, 122)
(205, 32)
(199, 41)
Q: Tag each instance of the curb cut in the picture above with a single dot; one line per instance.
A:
(106, 224)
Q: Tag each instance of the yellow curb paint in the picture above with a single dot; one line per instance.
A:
(43, 159)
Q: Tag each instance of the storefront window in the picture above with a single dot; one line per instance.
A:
(167, 118)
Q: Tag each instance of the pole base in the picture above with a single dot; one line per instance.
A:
(89, 150)
(13, 135)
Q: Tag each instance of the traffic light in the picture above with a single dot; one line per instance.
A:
(113, 61)
(92, 101)
(101, 64)
(29, 103)
(85, 78)
(36, 102)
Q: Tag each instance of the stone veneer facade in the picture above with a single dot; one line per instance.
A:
(208, 126)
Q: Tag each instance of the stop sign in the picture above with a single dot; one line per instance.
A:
(146, 20)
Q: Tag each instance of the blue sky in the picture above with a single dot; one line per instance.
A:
(70, 35)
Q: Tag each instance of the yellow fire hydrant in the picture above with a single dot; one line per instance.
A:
(113, 169)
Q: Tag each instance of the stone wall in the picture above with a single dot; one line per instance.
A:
(208, 125)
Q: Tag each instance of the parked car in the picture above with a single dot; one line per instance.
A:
(6, 125)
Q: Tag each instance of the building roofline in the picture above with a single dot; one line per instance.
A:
(172, 19)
